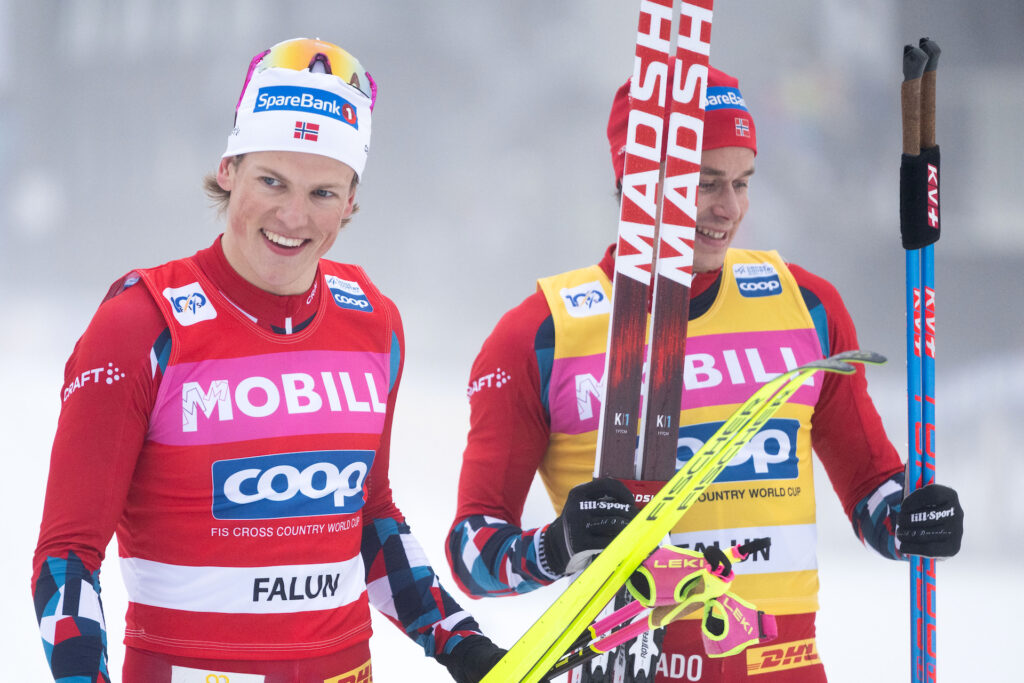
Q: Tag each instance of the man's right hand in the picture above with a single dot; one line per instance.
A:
(594, 513)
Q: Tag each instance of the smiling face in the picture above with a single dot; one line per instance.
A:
(721, 203)
(285, 211)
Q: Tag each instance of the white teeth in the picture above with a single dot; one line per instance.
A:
(713, 234)
(281, 239)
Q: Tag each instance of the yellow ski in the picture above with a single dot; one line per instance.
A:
(554, 632)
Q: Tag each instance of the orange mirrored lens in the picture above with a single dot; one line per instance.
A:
(301, 54)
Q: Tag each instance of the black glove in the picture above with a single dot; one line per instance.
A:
(472, 658)
(594, 513)
(930, 522)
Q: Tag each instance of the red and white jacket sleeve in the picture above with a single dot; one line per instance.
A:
(108, 390)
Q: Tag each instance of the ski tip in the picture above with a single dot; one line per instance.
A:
(914, 61)
(830, 365)
(859, 356)
(931, 48)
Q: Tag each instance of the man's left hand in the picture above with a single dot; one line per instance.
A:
(472, 658)
(930, 522)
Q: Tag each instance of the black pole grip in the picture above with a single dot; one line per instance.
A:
(919, 198)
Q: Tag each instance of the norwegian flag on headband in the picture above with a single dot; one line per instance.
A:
(742, 127)
(307, 131)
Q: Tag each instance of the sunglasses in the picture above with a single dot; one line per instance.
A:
(300, 54)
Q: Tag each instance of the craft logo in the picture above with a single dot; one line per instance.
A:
(771, 454)
(306, 100)
(757, 279)
(306, 131)
(585, 300)
(107, 375)
(307, 484)
(494, 379)
(348, 294)
(792, 655)
(190, 304)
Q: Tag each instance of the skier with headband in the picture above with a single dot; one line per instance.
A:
(229, 414)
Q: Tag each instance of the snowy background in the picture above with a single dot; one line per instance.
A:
(490, 168)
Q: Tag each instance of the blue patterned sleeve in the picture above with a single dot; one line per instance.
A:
(874, 517)
(403, 586)
(70, 616)
(492, 558)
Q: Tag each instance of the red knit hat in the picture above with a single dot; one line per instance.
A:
(727, 123)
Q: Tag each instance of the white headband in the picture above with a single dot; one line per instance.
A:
(283, 110)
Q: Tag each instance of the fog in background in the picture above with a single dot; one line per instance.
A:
(489, 167)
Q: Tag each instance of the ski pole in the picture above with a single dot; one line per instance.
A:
(919, 227)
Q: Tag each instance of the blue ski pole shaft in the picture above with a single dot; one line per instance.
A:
(926, 568)
(921, 460)
(919, 225)
(914, 443)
